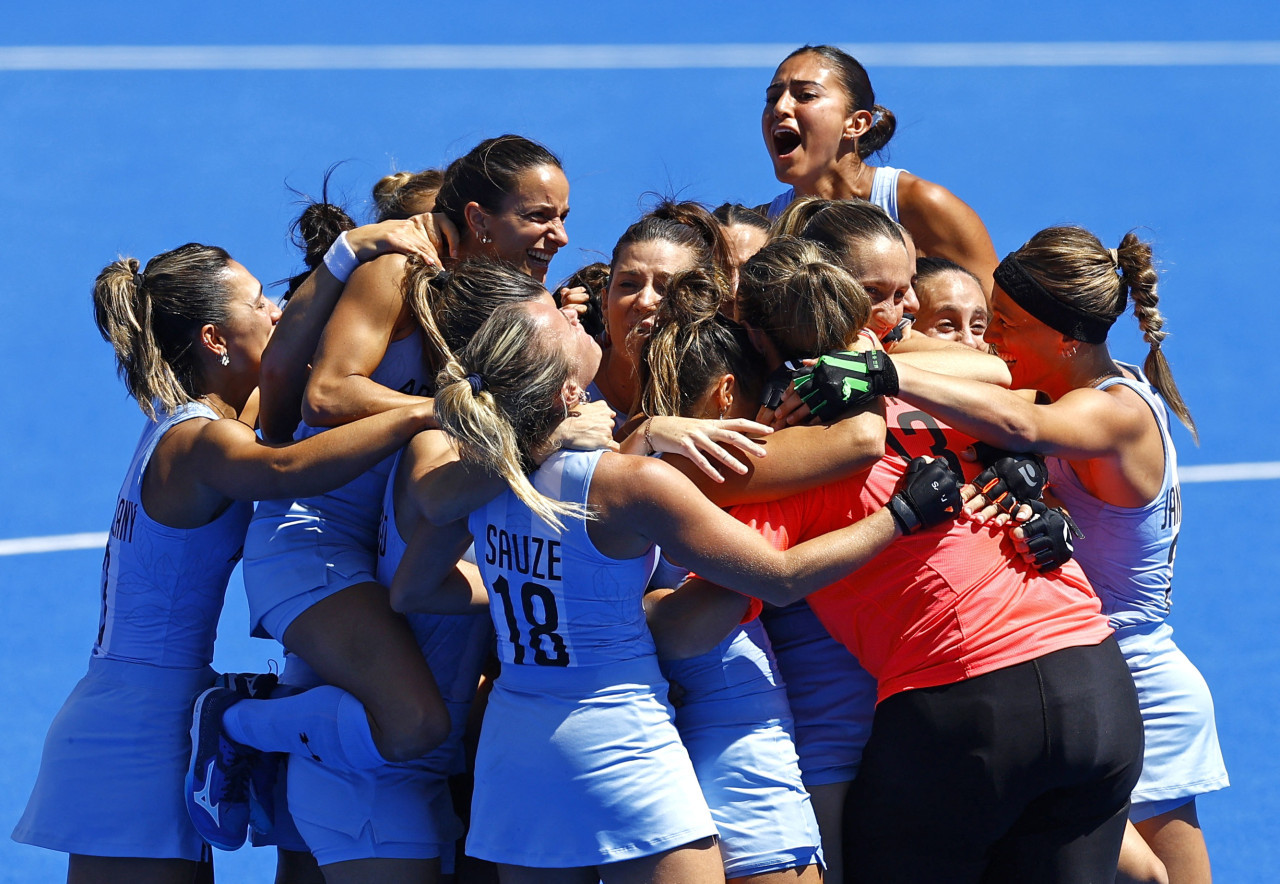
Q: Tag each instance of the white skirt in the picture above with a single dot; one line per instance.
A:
(582, 766)
(1182, 758)
(111, 779)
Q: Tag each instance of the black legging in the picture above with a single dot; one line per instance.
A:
(1018, 775)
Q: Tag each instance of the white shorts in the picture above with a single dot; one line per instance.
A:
(396, 811)
(111, 780)
(401, 811)
(294, 557)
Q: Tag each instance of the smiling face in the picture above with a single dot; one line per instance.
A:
(1031, 349)
(570, 337)
(639, 280)
(808, 121)
(528, 228)
(953, 308)
(251, 318)
(882, 267)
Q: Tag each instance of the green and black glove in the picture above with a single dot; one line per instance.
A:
(844, 381)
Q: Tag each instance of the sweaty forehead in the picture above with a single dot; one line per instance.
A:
(656, 256)
(543, 185)
(544, 312)
(807, 68)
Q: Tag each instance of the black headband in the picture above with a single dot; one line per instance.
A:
(1058, 315)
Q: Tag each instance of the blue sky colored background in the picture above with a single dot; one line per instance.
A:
(99, 163)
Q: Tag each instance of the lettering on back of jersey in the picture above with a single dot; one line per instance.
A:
(532, 556)
(122, 524)
(413, 388)
(1173, 507)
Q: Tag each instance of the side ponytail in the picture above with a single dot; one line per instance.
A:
(1138, 273)
(691, 346)
(152, 319)
(511, 406)
(1073, 266)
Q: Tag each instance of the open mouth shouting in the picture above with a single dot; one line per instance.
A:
(785, 141)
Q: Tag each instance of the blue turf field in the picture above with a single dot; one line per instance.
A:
(99, 162)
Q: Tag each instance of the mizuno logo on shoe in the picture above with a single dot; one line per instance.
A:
(202, 797)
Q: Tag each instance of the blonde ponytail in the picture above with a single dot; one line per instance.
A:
(500, 397)
(451, 305)
(152, 319)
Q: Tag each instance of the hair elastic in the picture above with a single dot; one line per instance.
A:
(137, 279)
(1058, 315)
(476, 382)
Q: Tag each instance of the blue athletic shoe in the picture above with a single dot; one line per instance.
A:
(218, 780)
(266, 769)
(249, 685)
(263, 777)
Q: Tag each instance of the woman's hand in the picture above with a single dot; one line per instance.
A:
(794, 410)
(577, 298)
(588, 427)
(692, 436)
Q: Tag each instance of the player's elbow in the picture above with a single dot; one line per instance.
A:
(323, 401)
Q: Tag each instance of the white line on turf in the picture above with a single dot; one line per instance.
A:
(631, 57)
(1222, 472)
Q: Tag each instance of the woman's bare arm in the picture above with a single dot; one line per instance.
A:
(431, 578)
(798, 458)
(643, 501)
(944, 226)
(1083, 424)
(286, 364)
(366, 319)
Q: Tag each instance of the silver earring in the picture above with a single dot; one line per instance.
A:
(226, 360)
(485, 239)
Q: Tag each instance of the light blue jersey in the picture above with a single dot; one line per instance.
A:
(555, 599)
(121, 741)
(162, 587)
(884, 193)
(1127, 554)
(455, 645)
(298, 552)
(579, 763)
